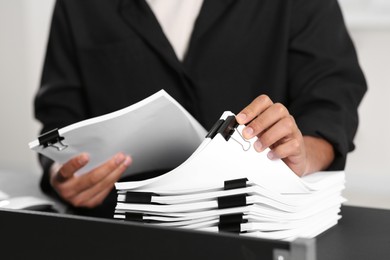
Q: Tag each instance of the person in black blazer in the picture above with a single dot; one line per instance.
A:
(287, 66)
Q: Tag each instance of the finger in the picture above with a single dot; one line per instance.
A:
(109, 180)
(70, 167)
(282, 131)
(292, 154)
(96, 175)
(290, 148)
(256, 107)
(94, 194)
(265, 120)
(75, 186)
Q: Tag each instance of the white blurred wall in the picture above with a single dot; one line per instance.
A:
(23, 33)
(368, 167)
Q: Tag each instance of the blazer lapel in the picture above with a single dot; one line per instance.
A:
(209, 14)
(141, 19)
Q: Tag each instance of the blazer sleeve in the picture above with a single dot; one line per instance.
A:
(326, 82)
(60, 100)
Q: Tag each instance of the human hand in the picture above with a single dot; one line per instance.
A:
(90, 189)
(276, 129)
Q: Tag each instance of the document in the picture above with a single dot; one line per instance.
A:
(3, 195)
(157, 132)
(227, 186)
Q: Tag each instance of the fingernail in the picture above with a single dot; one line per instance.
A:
(83, 159)
(271, 155)
(248, 132)
(119, 158)
(258, 146)
(127, 161)
(241, 117)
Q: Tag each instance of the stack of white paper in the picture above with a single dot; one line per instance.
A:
(223, 185)
(228, 186)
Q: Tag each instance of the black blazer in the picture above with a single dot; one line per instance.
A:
(105, 55)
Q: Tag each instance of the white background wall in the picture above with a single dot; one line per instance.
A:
(368, 167)
(23, 31)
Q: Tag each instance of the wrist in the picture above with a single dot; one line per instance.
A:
(319, 154)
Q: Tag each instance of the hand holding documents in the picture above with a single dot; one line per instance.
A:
(227, 186)
(145, 130)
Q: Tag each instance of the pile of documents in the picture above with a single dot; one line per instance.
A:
(218, 183)
(225, 185)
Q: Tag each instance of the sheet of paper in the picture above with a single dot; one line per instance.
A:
(220, 161)
(157, 132)
(291, 202)
(3, 195)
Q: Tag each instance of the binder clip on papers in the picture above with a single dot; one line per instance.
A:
(227, 127)
(52, 139)
(228, 187)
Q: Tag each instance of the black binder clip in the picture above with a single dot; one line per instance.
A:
(232, 201)
(52, 139)
(227, 128)
(230, 228)
(231, 223)
(133, 216)
(139, 197)
(235, 184)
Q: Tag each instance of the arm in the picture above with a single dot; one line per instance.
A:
(314, 129)
(326, 83)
